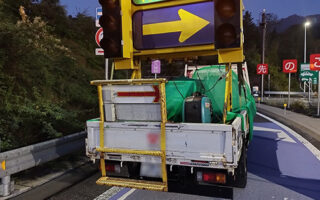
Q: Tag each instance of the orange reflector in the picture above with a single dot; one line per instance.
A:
(3, 165)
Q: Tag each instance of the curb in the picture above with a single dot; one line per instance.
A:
(304, 131)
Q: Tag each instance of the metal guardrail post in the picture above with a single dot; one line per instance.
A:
(6, 186)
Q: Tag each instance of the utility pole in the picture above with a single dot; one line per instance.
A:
(263, 26)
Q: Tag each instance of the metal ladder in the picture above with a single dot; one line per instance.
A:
(132, 183)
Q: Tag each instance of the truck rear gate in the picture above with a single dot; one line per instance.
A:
(148, 138)
(185, 142)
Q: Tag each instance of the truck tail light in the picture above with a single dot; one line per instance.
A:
(211, 177)
(113, 168)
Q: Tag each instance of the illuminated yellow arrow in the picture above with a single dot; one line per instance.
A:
(189, 24)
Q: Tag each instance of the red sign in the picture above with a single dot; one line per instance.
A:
(99, 36)
(315, 62)
(290, 66)
(262, 69)
(154, 94)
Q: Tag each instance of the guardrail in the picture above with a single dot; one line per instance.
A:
(17, 160)
(286, 93)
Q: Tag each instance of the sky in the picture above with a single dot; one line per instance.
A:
(282, 8)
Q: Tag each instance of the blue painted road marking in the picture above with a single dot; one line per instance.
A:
(289, 164)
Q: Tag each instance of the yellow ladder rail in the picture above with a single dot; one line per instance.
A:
(150, 185)
(163, 108)
(101, 129)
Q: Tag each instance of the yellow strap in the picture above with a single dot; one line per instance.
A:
(228, 93)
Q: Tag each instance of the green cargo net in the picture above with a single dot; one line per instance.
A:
(176, 91)
(210, 81)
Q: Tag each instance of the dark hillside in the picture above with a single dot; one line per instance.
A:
(285, 44)
(46, 64)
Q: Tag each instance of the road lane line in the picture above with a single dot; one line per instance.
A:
(306, 143)
(115, 193)
(109, 193)
(127, 194)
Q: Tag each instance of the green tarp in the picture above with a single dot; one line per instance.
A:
(210, 81)
(176, 91)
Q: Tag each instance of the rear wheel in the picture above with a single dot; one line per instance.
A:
(241, 172)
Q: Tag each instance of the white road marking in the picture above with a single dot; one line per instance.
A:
(112, 192)
(305, 142)
(127, 194)
(281, 136)
(109, 193)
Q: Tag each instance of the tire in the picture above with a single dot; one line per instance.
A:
(241, 173)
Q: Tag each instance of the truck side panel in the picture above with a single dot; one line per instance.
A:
(209, 142)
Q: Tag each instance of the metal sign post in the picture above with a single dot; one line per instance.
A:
(263, 26)
(290, 66)
(262, 81)
(318, 113)
(315, 66)
(269, 82)
(310, 85)
(262, 69)
(289, 90)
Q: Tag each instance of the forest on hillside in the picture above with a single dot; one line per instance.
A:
(288, 44)
(46, 64)
(47, 61)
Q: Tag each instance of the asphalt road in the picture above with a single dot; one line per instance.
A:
(280, 165)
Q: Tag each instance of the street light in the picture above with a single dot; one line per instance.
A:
(306, 24)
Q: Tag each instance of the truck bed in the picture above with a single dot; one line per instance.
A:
(188, 144)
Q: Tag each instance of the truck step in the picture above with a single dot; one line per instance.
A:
(130, 183)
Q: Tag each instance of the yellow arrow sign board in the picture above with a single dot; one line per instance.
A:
(178, 26)
(188, 25)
